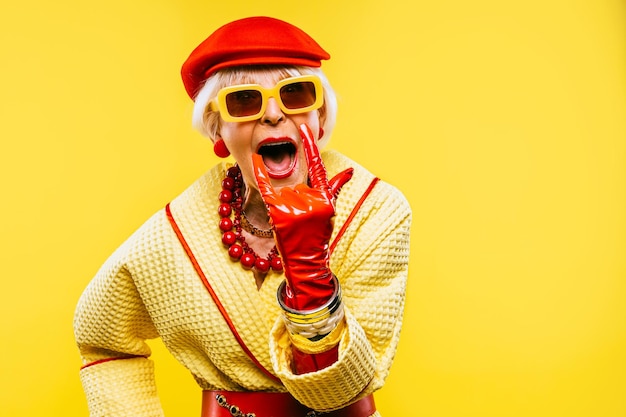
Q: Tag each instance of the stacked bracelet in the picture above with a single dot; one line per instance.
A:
(317, 323)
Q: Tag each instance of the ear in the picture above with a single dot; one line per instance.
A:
(217, 138)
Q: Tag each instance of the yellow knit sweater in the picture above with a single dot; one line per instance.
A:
(148, 288)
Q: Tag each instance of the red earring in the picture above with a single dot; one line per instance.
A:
(320, 134)
(220, 149)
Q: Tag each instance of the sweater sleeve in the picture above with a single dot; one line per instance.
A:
(371, 262)
(111, 325)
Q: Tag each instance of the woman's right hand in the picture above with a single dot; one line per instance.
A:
(302, 219)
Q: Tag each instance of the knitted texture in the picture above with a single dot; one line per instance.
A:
(148, 288)
(123, 388)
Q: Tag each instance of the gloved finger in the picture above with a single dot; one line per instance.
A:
(262, 179)
(316, 168)
(339, 180)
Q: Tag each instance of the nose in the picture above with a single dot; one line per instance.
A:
(273, 114)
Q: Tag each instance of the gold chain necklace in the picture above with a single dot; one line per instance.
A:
(252, 229)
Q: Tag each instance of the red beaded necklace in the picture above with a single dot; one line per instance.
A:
(238, 250)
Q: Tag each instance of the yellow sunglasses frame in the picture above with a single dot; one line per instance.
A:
(219, 102)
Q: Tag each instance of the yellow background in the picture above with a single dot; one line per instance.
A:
(503, 123)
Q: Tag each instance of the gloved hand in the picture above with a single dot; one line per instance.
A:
(302, 218)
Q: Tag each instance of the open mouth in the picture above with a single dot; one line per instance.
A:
(279, 158)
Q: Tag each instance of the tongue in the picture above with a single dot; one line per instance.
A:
(277, 162)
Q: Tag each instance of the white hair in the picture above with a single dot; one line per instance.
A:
(207, 122)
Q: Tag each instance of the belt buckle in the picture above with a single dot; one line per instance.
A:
(232, 408)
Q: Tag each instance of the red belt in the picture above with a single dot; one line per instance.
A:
(273, 404)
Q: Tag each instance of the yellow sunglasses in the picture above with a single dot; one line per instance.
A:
(245, 102)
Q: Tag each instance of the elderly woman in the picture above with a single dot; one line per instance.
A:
(278, 281)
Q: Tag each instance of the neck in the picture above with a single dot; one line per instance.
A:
(255, 208)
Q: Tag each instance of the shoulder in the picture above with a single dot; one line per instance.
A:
(373, 220)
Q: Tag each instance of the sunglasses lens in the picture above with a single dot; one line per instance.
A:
(298, 95)
(244, 103)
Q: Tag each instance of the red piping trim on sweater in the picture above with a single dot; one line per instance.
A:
(352, 214)
(99, 361)
(219, 305)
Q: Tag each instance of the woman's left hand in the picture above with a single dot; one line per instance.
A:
(302, 219)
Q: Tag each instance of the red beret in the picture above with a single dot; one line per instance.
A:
(250, 41)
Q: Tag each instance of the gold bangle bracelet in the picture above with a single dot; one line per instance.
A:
(313, 324)
(314, 315)
(317, 330)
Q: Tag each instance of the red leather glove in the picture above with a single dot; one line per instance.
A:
(302, 218)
